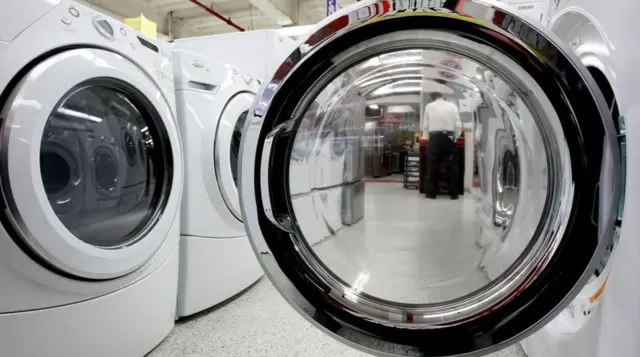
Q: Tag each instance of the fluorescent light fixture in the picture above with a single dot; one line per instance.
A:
(374, 106)
(386, 59)
(390, 60)
(384, 73)
(372, 62)
(79, 115)
(405, 108)
(390, 78)
(391, 90)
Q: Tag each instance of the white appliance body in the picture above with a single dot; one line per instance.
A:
(537, 10)
(92, 176)
(258, 52)
(602, 320)
(324, 169)
(216, 259)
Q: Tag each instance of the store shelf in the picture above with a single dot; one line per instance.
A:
(411, 176)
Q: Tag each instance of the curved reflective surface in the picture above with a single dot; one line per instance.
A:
(101, 168)
(489, 118)
(235, 145)
(379, 235)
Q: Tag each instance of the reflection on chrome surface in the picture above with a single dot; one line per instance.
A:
(100, 162)
(375, 262)
(453, 249)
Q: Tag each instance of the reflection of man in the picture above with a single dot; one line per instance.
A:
(442, 126)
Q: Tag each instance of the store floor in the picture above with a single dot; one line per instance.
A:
(408, 248)
(403, 235)
(258, 323)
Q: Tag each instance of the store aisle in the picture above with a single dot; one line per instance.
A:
(401, 235)
(258, 323)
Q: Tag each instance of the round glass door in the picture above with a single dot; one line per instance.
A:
(88, 174)
(102, 164)
(227, 147)
(513, 138)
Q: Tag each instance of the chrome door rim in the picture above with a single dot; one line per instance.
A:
(529, 265)
(334, 29)
(222, 142)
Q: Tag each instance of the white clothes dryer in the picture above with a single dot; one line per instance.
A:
(258, 52)
(91, 184)
(216, 259)
(561, 155)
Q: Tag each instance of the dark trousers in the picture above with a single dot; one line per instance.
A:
(442, 151)
(424, 172)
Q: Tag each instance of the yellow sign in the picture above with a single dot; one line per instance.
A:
(143, 25)
(429, 13)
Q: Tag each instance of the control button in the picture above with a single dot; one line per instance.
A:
(247, 78)
(74, 12)
(123, 31)
(66, 21)
(104, 28)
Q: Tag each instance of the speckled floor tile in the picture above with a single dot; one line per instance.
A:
(395, 242)
(316, 343)
(257, 323)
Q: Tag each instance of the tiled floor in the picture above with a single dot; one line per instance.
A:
(401, 237)
(408, 248)
(258, 323)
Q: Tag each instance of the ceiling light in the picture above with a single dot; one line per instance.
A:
(79, 115)
(390, 60)
(400, 109)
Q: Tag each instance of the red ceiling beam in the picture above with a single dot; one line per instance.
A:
(218, 15)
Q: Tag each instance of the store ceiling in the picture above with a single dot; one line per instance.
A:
(183, 18)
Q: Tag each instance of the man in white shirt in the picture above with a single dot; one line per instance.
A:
(441, 125)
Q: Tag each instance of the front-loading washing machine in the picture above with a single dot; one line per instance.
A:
(598, 322)
(98, 176)
(561, 157)
(258, 52)
(216, 260)
(91, 184)
(327, 165)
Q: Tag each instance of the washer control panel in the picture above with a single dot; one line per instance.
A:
(103, 27)
(74, 19)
